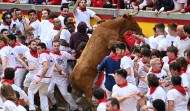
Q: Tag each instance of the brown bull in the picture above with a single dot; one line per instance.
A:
(105, 35)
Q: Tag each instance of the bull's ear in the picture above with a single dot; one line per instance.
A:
(125, 15)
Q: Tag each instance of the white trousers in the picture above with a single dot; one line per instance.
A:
(19, 76)
(42, 88)
(62, 86)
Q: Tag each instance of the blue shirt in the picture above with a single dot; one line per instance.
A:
(110, 66)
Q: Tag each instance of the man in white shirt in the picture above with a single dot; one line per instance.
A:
(61, 82)
(8, 23)
(175, 69)
(20, 49)
(83, 14)
(19, 22)
(183, 42)
(177, 97)
(64, 12)
(160, 30)
(170, 38)
(54, 34)
(155, 91)
(99, 95)
(65, 36)
(41, 81)
(126, 62)
(46, 25)
(33, 24)
(125, 92)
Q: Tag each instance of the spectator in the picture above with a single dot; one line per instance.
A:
(29, 37)
(159, 105)
(64, 12)
(65, 36)
(163, 6)
(145, 2)
(112, 104)
(78, 37)
(21, 1)
(99, 94)
(19, 22)
(183, 42)
(187, 9)
(178, 6)
(177, 96)
(34, 23)
(9, 98)
(83, 14)
(4, 32)
(183, 63)
(155, 54)
(150, 6)
(45, 13)
(12, 11)
(8, 23)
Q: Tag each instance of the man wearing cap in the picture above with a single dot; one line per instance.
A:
(8, 23)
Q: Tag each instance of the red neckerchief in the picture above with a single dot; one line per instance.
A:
(185, 69)
(57, 53)
(7, 81)
(184, 37)
(50, 20)
(143, 61)
(14, 19)
(152, 89)
(153, 71)
(34, 54)
(114, 56)
(170, 60)
(180, 89)
(82, 9)
(17, 104)
(101, 100)
(56, 28)
(32, 22)
(123, 84)
(4, 46)
(46, 51)
(180, 73)
(161, 62)
(99, 81)
(15, 44)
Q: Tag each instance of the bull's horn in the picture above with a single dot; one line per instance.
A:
(132, 12)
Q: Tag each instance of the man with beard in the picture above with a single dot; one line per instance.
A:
(19, 22)
(33, 24)
(54, 34)
(8, 23)
(64, 12)
(83, 14)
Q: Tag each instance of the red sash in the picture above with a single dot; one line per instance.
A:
(101, 100)
(82, 9)
(152, 89)
(4, 46)
(123, 84)
(180, 89)
(170, 60)
(34, 54)
(99, 81)
(57, 53)
(153, 71)
(7, 81)
(46, 51)
(15, 44)
(180, 73)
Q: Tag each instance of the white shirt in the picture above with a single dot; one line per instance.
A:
(50, 38)
(166, 65)
(150, 41)
(65, 1)
(62, 62)
(44, 57)
(126, 62)
(2, 26)
(32, 62)
(35, 25)
(62, 19)
(20, 50)
(10, 56)
(177, 4)
(180, 100)
(65, 35)
(157, 41)
(182, 45)
(83, 16)
(130, 103)
(142, 84)
(184, 80)
(101, 106)
(159, 93)
(9, 106)
(21, 26)
(42, 30)
(21, 108)
(23, 1)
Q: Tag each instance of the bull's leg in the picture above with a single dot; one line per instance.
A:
(88, 94)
